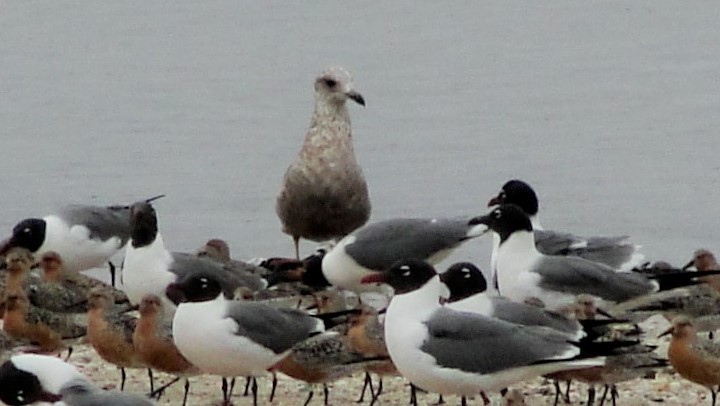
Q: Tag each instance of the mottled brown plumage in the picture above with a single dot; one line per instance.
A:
(111, 333)
(324, 194)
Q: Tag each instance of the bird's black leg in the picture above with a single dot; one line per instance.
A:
(274, 386)
(413, 395)
(157, 394)
(366, 384)
(112, 273)
(591, 396)
(254, 391)
(605, 392)
(440, 401)
(187, 389)
(567, 391)
(309, 398)
(326, 393)
(122, 378)
(247, 386)
(152, 381)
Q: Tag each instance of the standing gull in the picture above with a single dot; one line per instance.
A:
(324, 194)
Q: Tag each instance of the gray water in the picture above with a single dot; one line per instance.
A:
(610, 109)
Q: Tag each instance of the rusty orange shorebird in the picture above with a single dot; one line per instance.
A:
(694, 358)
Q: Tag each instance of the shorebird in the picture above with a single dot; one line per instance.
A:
(322, 359)
(324, 194)
(252, 276)
(85, 236)
(703, 260)
(43, 328)
(153, 342)
(523, 273)
(615, 252)
(453, 352)
(110, 333)
(694, 358)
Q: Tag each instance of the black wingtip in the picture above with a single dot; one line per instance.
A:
(681, 279)
(598, 328)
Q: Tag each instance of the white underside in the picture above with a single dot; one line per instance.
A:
(52, 372)
(343, 272)
(514, 258)
(405, 332)
(206, 338)
(78, 251)
(145, 271)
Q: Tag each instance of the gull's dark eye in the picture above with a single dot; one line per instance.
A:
(497, 214)
(330, 82)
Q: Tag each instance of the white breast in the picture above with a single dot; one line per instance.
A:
(145, 271)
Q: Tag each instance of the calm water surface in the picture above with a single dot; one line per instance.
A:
(610, 109)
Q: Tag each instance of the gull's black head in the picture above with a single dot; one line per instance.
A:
(404, 276)
(463, 279)
(19, 387)
(28, 234)
(198, 287)
(143, 222)
(505, 220)
(519, 193)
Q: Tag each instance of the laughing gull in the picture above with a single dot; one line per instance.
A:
(110, 333)
(452, 352)
(30, 379)
(80, 392)
(149, 267)
(232, 338)
(377, 246)
(694, 358)
(467, 286)
(154, 344)
(324, 195)
(523, 273)
(85, 236)
(615, 252)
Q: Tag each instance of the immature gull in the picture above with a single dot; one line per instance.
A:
(149, 267)
(375, 247)
(84, 236)
(80, 392)
(615, 252)
(524, 273)
(324, 194)
(454, 352)
(233, 338)
(30, 379)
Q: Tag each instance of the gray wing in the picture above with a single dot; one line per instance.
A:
(611, 251)
(247, 274)
(519, 313)
(103, 222)
(276, 329)
(478, 344)
(576, 276)
(183, 264)
(379, 245)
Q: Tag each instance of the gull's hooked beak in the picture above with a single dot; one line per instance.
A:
(355, 96)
